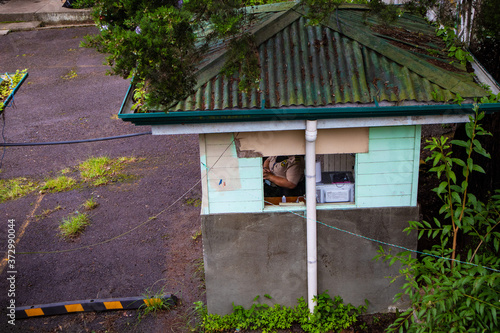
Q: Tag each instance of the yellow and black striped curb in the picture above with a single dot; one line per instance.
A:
(125, 303)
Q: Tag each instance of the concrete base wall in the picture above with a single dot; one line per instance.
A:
(265, 253)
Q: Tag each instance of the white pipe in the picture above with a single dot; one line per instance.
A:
(310, 172)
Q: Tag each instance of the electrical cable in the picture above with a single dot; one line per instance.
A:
(21, 144)
(137, 226)
(288, 211)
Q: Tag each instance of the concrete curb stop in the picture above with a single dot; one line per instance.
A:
(97, 305)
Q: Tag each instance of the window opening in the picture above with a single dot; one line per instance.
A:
(335, 178)
(284, 179)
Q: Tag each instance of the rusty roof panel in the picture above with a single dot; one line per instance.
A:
(304, 65)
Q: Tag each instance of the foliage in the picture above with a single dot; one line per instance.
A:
(102, 170)
(153, 303)
(15, 188)
(453, 47)
(73, 225)
(83, 4)
(454, 289)
(8, 84)
(59, 184)
(329, 314)
(90, 204)
(160, 42)
(244, 57)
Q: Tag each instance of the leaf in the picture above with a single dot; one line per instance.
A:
(456, 197)
(478, 168)
(458, 161)
(460, 143)
(452, 176)
(442, 187)
(470, 164)
(469, 129)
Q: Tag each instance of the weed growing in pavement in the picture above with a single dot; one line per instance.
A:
(59, 184)
(72, 226)
(193, 201)
(199, 272)
(71, 75)
(15, 188)
(90, 204)
(96, 171)
(47, 212)
(153, 303)
(196, 235)
(103, 170)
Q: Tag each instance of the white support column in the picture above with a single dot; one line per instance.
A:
(310, 173)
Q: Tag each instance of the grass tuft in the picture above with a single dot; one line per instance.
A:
(153, 303)
(59, 184)
(15, 188)
(103, 170)
(90, 204)
(74, 225)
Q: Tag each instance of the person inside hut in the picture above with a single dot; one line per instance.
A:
(284, 175)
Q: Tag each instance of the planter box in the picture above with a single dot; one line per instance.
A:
(10, 97)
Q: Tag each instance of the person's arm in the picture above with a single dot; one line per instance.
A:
(280, 181)
(266, 164)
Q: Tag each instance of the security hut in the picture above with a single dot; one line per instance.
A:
(348, 97)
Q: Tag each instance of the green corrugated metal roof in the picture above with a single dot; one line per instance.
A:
(348, 59)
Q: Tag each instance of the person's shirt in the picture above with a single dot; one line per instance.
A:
(291, 168)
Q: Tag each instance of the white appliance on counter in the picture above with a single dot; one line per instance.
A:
(336, 192)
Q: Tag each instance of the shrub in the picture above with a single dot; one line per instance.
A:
(451, 293)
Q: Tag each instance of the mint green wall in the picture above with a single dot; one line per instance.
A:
(232, 184)
(386, 176)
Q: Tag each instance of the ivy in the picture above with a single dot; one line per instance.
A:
(329, 315)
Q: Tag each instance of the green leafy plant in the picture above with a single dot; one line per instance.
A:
(452, 288)
(7, 84)
(453, 47)
(59, 184)
(73, 225)
(329, 314)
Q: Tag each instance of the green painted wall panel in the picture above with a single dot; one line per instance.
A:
(391, 144)
(392, 131)
(236, 197)
(384, 190)
(387, 155)
(385, 175)
(382, 179)
(386, 201)
(385, 167)
(244, 207)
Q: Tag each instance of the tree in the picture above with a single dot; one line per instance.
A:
(158, 43)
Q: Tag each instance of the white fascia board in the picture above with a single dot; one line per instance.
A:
(286, 125)
(484, 77)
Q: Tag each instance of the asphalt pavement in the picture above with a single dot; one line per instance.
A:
(21, 15)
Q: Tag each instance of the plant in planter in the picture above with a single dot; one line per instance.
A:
(9, 83)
